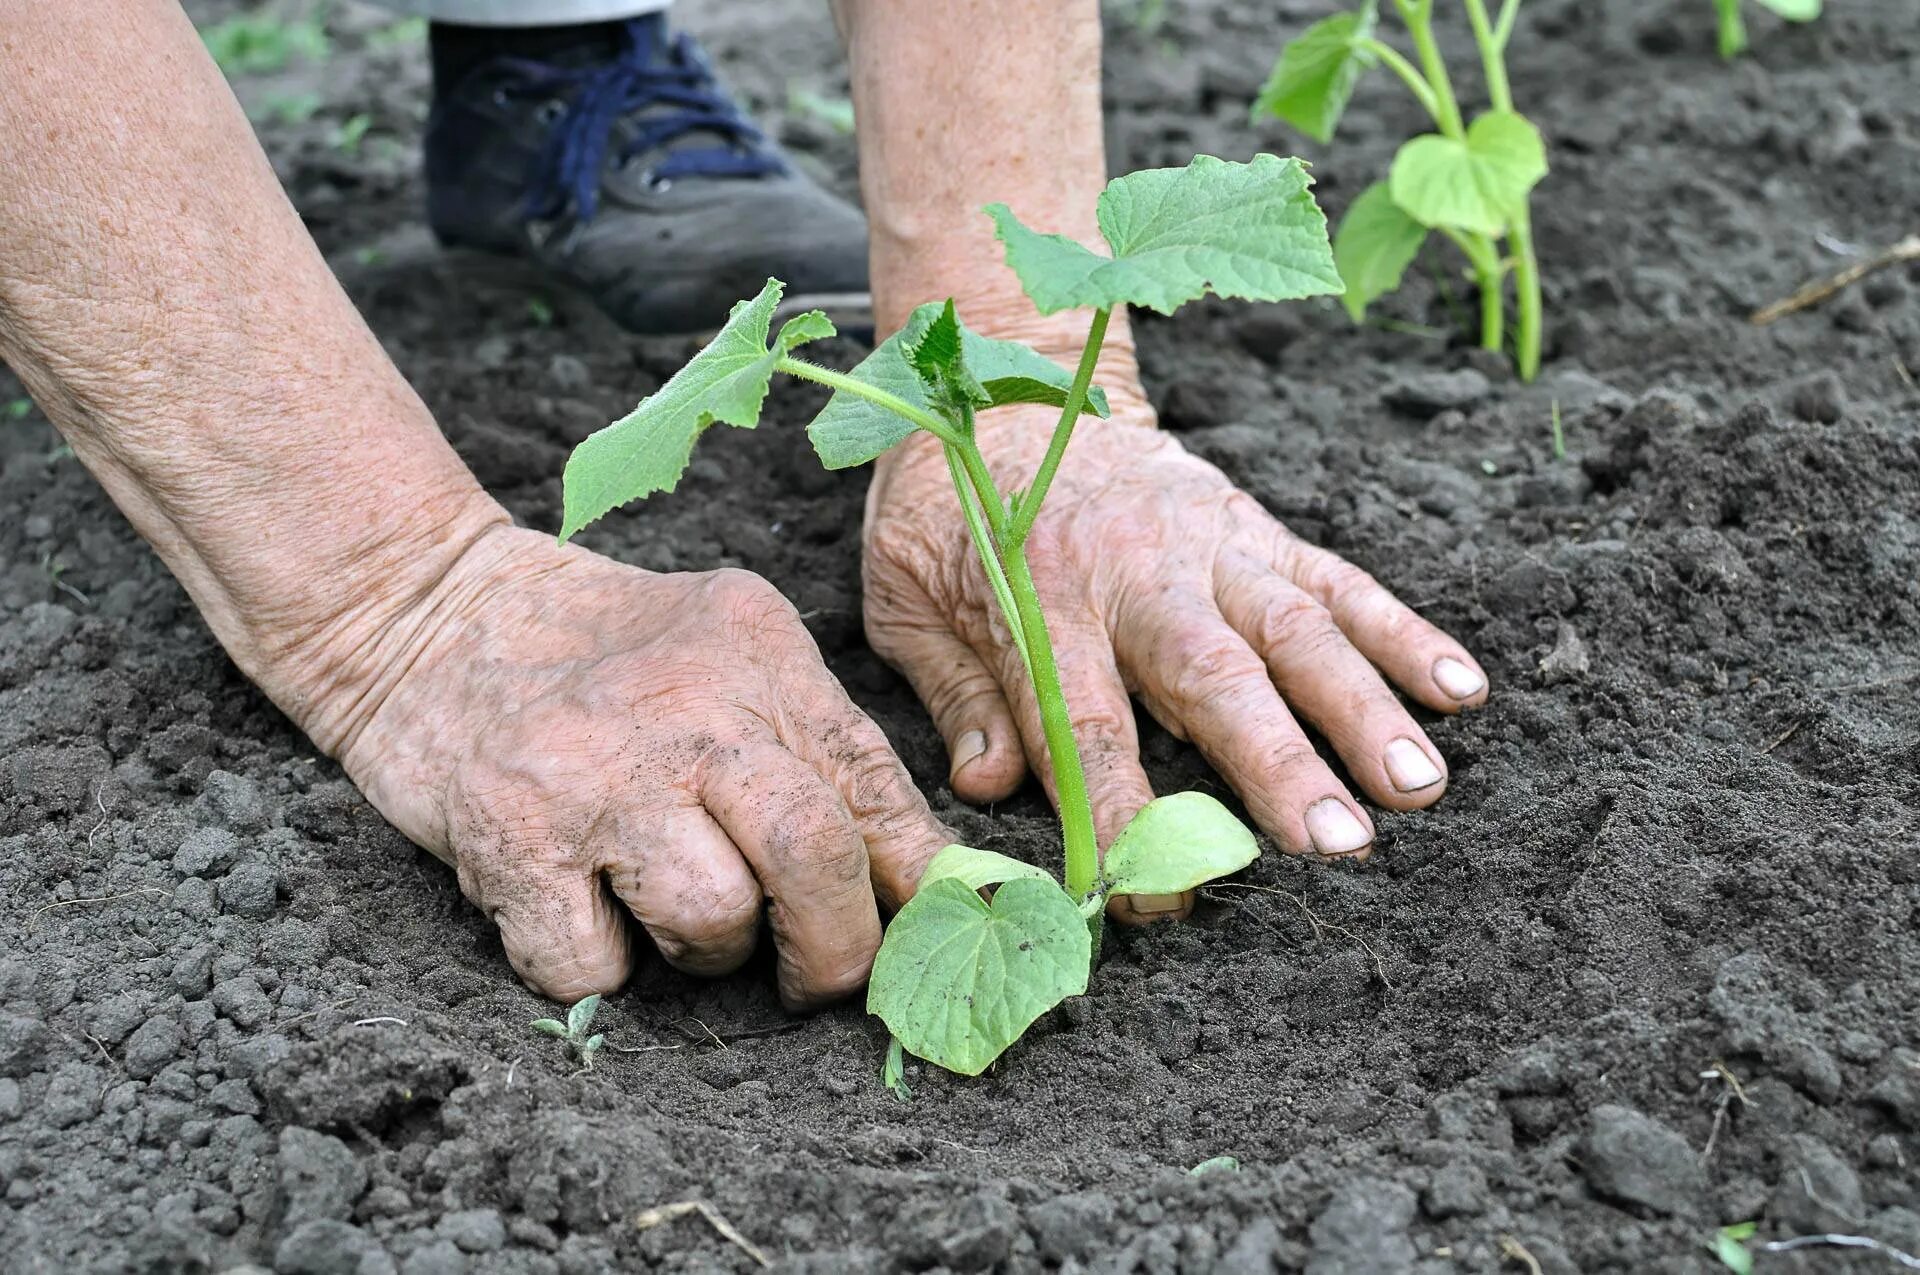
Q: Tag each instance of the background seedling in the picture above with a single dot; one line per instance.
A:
(1730, 1246)
(959, 978)
(260, 43)
(1469, 181)
(574, 1030)
(19, 408)
(1733, 28)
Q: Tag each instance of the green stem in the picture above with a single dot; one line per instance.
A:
(1526, 287)
(1503, 28)
(989, 556)
(1492, 63)
(1407, 72)
(1418, 15)
(873, 394)
(1490, 276)
(1069, 781)
(1057, 446)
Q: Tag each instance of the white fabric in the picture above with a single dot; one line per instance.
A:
(524, 13)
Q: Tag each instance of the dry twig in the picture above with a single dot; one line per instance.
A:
(647, 1219)
(1819, 290)
(1514, 1251)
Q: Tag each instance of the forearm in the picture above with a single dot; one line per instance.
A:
(960, 105)
(161, 299)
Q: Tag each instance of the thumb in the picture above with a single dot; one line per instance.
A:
(984, 755)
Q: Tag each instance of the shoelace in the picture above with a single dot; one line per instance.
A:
(652, 70)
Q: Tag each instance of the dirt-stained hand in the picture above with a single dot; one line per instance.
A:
(1159, 578)
(578, 736)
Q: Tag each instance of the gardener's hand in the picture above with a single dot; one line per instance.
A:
(575, 735)
(1159, 577)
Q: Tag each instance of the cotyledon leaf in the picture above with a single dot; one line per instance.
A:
(977, 868)
(1374, 246)
(851, 431)
(958, 979)
(648, 449)
(1249, 230)
(1176, 843)
(1316, 72)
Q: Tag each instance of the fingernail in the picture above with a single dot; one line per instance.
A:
(967, 748)
(1409, 767)
(1155, 904)
(1336, 829)
(1456, 679)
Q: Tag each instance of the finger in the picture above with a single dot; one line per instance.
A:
(846, 748)
(684, 880)
(1332, 685)
(1101, 714)
(1421, 660)
(985, 761)
(563, 934)
(810, 860)
(1203, 681)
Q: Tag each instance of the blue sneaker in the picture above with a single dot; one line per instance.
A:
(623, 168)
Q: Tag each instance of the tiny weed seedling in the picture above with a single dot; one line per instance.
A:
(1472, 182)
(260, 43)
(18, 409)
(958, 978)
(1733, 28)
(574, 1030)
(1730, 1246)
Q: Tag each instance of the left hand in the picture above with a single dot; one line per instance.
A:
(1161, 579)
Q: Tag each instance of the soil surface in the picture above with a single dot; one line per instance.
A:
(1652, 967)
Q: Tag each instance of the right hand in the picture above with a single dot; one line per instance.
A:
(575, 735)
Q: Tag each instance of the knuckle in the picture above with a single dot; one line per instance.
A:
(1205, 663)
(1297, 623)
(714, 921)
(1287, 760)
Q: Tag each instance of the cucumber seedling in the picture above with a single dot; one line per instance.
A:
(574, 1031)
(1733, 28)
(959, 978)
(1472, 182)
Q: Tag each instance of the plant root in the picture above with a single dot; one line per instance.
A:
(1513, 1250)
(647, 1219)
(1320, 925)
(1907, 1260)
(1819, 290)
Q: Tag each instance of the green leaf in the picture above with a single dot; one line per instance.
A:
(977, 868)
(851, 431)
(1217, 1164)
(1733, 28)
(893, 1072)
(1730, 1247)
(1473, 185)
(648, 449)
(1794, 10)
(549, 1026)
(959, 980)
(1315, 75)
(1236, 230)
(939, 357)
(1374, 246)
(1176, 843)
(582, 1014)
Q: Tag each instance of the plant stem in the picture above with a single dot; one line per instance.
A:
(1526, 287)
(1492, 63)
(1407, 72)
(989, 558)
(1057, 446)
(1069, 780)
(1503, 28)
(1418, 15)
(873, 394)
(1484, 255)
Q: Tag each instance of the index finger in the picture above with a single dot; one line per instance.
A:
(811, 862)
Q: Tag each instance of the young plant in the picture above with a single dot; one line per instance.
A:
(959, 978)
(574, 1030)
(1469, 181)
(1733, 28)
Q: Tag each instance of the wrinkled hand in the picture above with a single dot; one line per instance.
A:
(1159, 578)
(575, 735)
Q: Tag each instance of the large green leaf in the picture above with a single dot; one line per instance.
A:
(1314, 78)
(1237, 230)
(852, 431)
(1476, 184)
(648, 449)
(958, 980)
(977, 868)
(1374, 246)
(1176, 843)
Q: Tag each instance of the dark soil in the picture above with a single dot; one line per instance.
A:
(1681, 848)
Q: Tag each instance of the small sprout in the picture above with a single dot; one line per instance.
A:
(260, 43)
(1218, 1164)
(369, 255)
(1733, 28)
(574, 1030)
(540, 310)
(1559, 437)
(1730, 1246)
(960, 976)
(893, 1072)
(832, 113)
(407, 31)
(19, 408)
(347, 138)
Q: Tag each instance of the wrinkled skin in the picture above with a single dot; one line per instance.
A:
(1160, 579)
(575, 735)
